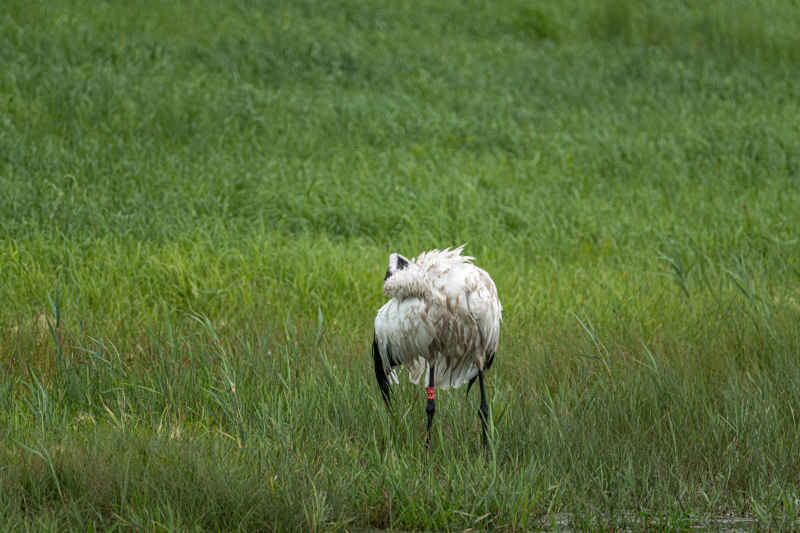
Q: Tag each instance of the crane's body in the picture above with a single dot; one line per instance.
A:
(443, 322)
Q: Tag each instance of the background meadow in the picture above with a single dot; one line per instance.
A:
(197, 204)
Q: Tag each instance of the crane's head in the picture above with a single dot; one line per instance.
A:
(396, 262)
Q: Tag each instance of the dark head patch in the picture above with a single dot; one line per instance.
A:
(400, 263)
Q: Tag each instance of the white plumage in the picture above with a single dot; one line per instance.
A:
(444, 314)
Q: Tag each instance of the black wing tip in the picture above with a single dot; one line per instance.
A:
(380, 373)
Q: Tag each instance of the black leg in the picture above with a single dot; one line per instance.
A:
(431, 407)
(469, 385)
(483, 411)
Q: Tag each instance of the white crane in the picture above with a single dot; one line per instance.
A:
(443, 320)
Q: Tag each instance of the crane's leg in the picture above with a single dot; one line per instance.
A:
(431, 407)
(483, 411)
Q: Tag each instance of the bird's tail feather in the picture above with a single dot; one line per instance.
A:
(445, 378)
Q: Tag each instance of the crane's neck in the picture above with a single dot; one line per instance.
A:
(410, 282)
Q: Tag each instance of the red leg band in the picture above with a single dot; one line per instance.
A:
(431, 393)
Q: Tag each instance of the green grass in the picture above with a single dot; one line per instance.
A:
(198, 200)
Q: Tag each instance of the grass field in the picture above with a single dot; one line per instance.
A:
(197, 204)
